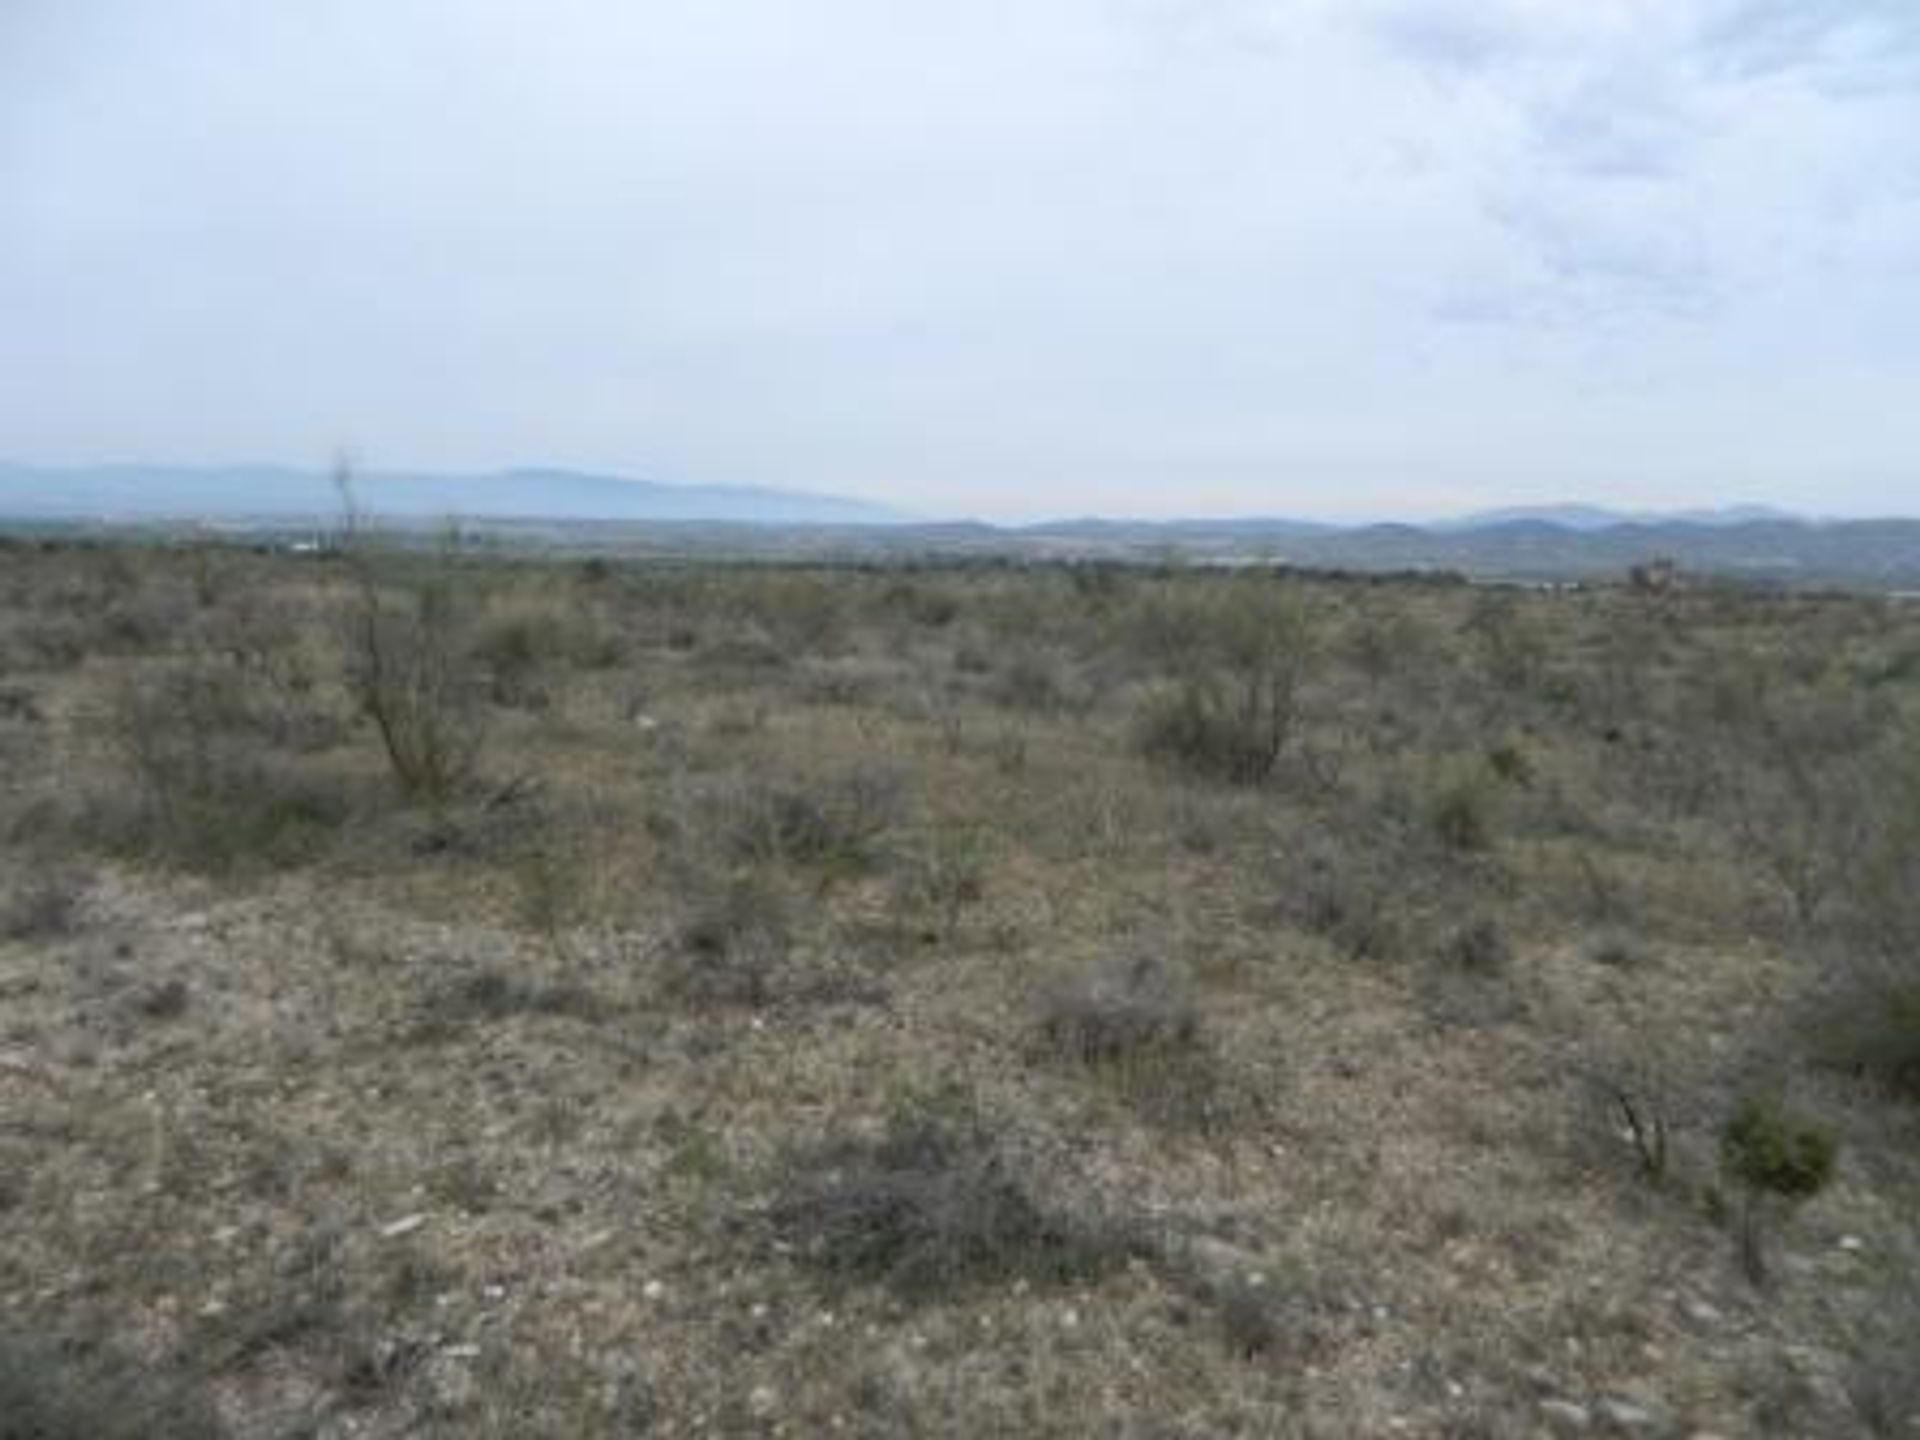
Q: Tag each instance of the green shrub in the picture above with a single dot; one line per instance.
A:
(1240, 657)
(1773, 1155)
(1869, 1026)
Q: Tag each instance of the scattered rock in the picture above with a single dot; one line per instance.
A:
(1564, 1417)
(1625, 1417)
(1701, 1313)
(406, 1225)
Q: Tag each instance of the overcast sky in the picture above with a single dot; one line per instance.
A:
(1002, 257)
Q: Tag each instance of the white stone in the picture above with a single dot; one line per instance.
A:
(1565, 1417)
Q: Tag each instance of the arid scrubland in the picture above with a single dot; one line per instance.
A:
(444, 994)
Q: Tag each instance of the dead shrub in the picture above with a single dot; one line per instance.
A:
(1117, 1009)
(836, 826)
(408, 666)
(932, 1207)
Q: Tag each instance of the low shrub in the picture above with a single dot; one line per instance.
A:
(732, 946)
(1118, 1009)
(491, 995)
(212, 787)
(1869, 1026)
(43, 904)
(933, 1206)
(1775, 1157)
(54, 1390)
(835, 825)
(1479, 947)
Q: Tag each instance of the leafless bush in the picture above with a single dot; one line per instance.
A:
(1118, 1009)
(933, 1206)
(408, 668)
(836, 825)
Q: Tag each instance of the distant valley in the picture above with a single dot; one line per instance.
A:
(557, 509)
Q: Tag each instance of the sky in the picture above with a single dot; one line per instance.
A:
(1010, 258)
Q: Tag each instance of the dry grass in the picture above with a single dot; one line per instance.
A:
(757, 1038)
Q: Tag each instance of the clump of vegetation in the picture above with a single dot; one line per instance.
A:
(1348, 897)
(1241, 657)
(214, 786)
(1118, 1009)
(1461, 811)
(1479, 947)
(732, 946)
(939, 878)
(933, 1206)
(43, 904)
(53, 1390)
(1774, 1156)
(835, 826)
(408, 664)
(491, 995)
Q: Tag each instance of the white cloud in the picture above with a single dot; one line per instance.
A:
(1288, 255)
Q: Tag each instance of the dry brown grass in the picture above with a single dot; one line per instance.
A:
(760, 1043)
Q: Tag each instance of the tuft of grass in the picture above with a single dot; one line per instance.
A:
(1479, 947)
(732, 946)
(489, 996)
(43, 905)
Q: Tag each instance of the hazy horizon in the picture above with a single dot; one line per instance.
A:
(1382, 259)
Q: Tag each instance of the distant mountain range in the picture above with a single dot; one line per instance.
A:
(575, 511)
(1593, 517)
(242, 493)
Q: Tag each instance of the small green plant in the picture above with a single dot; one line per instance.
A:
(1772, 1156)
